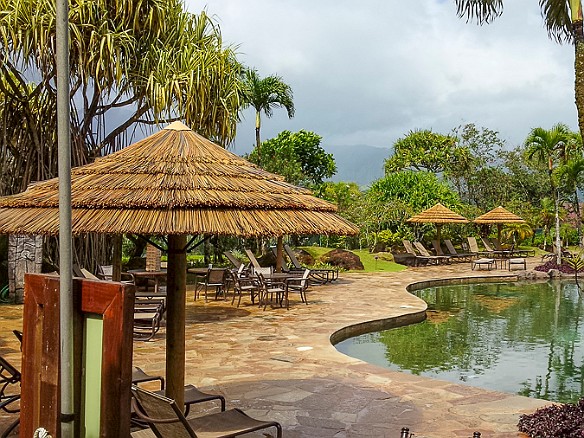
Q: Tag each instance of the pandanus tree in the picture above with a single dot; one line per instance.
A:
(563, 21)
(549, 147)
(133, 64)
(265, 94)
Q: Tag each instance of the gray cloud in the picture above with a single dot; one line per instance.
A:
(368, 72)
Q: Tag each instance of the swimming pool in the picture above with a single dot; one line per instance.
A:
(517, 337)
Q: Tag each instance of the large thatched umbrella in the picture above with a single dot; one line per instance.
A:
(174, 183)
(438, 215)
(499, 216)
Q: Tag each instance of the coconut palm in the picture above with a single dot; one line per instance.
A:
(563, 21)
(547, 146)
(264, 95)
(571, 174)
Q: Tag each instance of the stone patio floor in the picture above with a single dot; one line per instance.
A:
(279, 364)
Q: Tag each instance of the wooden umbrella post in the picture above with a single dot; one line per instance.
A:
(279, 253)
(176, 286)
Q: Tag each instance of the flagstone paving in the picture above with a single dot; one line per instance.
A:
(280, 364)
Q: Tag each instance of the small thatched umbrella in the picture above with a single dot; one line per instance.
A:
(438, 215)
(174, 183)
(499, 216)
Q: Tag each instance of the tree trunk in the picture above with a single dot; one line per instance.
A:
(558, 240)
(257, 134)
(579, 71)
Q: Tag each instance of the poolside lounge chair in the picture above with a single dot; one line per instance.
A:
(418, 259)
(254, 262)
(422, 249)
(490, 247)
(192, 395)
(167, 420)
(318, 276)
(9, 392)
(474, 248)
(237, 264)
(462, 256)
(105, 272)
(515, 252)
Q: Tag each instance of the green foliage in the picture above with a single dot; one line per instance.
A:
(265, 94)
(419, 190)
(296, 156)
(426, 150)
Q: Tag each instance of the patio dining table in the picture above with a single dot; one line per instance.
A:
(157, 276)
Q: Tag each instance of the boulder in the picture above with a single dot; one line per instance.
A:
(304, 257)
(343, 259)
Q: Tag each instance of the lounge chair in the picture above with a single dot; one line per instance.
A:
(250, 255)
(237, 264)
(319, 276)
(463, 256)
(167, 420)
(474, 248)
(515, 252)
(418, 259)
(490, 247)
(422, 249)
(192, 395)
(9, 393)
(105, 272)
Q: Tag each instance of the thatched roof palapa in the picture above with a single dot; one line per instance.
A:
(499, 215)
(438, 214)
(173, 182)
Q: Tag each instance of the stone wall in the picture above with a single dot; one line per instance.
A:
(25, 254)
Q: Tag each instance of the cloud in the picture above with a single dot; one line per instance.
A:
(368, 72)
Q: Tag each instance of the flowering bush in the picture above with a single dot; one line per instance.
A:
(566, 420)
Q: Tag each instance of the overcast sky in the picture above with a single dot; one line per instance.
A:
(369, 71)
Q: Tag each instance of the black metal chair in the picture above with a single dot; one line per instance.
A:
(9, 392)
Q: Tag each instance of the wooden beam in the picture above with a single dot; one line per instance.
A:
(176, 286)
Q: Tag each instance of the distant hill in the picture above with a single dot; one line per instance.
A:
(360, 163)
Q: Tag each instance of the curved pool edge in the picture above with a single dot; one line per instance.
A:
(406, 318)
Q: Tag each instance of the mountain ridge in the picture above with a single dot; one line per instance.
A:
(361, 164)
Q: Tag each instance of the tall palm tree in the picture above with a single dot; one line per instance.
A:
(547, 146)
(563, 20)
(571, 174)
(264, 95)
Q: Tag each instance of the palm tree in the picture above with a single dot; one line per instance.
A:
(546, 217)
(547, 146)
(563, 21)
(572, 173)
(264, 95)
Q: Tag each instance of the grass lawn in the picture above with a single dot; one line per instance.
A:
(367, 258)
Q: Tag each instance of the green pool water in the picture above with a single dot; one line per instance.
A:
(518, 337)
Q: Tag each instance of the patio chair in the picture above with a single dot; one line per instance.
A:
(272, 292)
(167, 420)
(462, 256)
(9, 393)
(146, 324)
(214, 279)
(422, 249)
(242, 285)
(319, 275)
(299, 285)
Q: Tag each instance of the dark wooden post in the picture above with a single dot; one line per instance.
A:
(117, 258)
(176, 286)
(279, 254)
